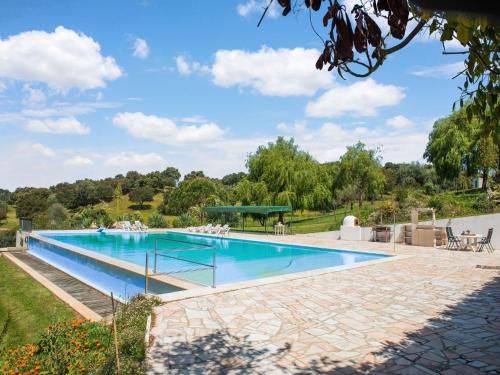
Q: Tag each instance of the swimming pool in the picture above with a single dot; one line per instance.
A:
(190, 255)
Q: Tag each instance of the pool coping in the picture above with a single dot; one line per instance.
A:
(61, 294)
(193, 290)
(167, 279)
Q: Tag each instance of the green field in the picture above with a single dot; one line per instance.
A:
(30, 306)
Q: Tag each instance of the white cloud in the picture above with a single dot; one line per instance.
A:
(362, 98)
(165, 130)
(329, 141)
(182, 65)
(64, 125)
(78, 161)
(68, 109)
(399, 122)
(34, 96)
(37, 149)
(128, 160)
(141, 48)
(273, 72)
(185, 67)
(194, 119)
(254, 6)
(444, 71)
(62, 59)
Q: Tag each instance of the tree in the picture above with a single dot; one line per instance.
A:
(3, 210)
(458, 144)
(141, 194)
(56, 213)
(194, 174)
(360, 169)
(118, 195)
(5, 195)
(85, 194)
(30, 201)
(289, 174)
(172, 176)
(191, 192)
(449, 20)
(233, 178)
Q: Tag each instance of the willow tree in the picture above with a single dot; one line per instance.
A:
(361, 173)
(457, 144)
(291, 176)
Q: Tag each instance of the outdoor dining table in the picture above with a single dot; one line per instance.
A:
(469, 241)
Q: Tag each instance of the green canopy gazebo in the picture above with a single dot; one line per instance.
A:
(261, 210)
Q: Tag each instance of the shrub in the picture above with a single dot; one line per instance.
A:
(89, 215)
(131, 326)
(430, 188)
(7, 238)
(184, 220)
(72, 347)
(3, 210)
(157, 221)
(483, 204)
(82, 347)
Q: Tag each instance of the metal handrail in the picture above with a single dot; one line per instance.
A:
(156, 254)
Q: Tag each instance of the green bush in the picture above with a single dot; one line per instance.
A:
(89, 215)
(131, 326)
(7, 238)
(157, 221)
(483, 204)
(74, 347)
(3, 210)
(82, 347)
(430, 188)
(184, 220)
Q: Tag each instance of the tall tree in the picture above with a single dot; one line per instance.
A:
(141, 194)
(361, 170)
(458, 144)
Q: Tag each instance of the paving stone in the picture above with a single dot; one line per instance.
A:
(431, 312)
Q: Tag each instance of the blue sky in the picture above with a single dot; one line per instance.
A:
(92, 89)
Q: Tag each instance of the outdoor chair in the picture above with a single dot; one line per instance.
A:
(140, 226)
(486, 242)
(454, 242)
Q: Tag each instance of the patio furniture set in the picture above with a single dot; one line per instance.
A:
(469, 241)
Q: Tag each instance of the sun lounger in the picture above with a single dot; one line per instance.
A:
(215, 230)
(126, 225)
(140, 226)
(206, 229)
(224, 230)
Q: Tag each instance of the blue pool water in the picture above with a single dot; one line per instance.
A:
(237, 260)
(104, 277)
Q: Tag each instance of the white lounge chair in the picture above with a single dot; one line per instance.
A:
(215, 230)
(126, 225)
(206, 229)
(224, 230)
(140, 226)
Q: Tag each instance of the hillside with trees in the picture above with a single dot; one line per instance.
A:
(280, 173)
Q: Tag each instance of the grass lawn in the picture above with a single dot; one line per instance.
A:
(31, 306)
(312, 221)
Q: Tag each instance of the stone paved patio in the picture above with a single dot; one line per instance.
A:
(433, 312)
